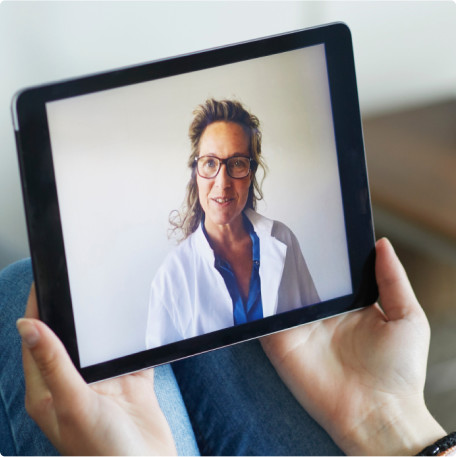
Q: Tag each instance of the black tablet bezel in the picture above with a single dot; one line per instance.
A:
(42, 209)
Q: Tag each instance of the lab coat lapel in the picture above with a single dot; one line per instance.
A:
(272, 261)
(202, 246)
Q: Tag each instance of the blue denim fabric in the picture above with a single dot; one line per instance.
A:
(238, 405)
(173, 407)
(19, 435)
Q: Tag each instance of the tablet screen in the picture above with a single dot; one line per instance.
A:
(201, 206)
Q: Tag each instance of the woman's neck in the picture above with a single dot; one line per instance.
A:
(223, 237)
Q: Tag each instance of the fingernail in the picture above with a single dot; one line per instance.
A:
(29, 333)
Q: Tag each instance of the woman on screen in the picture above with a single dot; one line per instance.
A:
(233, 265)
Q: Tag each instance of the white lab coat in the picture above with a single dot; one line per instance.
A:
(189, 297)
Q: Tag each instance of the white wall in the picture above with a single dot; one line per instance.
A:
(404, 54)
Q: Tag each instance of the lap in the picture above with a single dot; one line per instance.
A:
(239, 406)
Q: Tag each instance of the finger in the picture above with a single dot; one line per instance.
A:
(36, 389)
(48, 367)
(396, 293)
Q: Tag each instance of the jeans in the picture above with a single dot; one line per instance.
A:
(226, 402)
(238, 405)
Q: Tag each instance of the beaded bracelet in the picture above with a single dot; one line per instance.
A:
(443, 446)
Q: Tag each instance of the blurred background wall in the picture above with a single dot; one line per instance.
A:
(406, 69)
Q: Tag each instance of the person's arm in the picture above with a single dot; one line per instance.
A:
(361, 375)
(115, 417)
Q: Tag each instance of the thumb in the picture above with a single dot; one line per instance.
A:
(396, 293)
(47, 366)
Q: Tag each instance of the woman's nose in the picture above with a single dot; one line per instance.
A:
(223, 179)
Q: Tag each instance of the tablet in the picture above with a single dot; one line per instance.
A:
(194, 202)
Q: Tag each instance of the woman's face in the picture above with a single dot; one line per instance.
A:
(223, 198)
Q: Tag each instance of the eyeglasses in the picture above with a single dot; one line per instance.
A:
(237, 167)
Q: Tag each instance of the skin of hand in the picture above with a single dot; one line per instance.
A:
(114, 417)
(361, 375)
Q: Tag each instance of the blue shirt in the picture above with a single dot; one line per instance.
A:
(252, 308)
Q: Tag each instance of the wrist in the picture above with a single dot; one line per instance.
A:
(402, 428)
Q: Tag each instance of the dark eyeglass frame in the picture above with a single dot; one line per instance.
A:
(224, 161)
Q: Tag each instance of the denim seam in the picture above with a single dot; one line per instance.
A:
(13, 437)
(200, 442)
(10, 283)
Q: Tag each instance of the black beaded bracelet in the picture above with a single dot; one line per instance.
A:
(440, 446)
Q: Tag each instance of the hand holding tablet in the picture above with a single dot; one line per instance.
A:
(120, 416)
(361, 375)
(105, 159)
